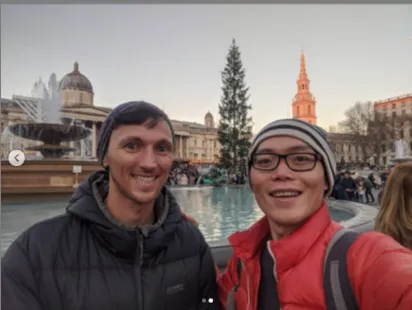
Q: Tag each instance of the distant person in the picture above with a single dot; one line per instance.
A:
(370, 198)
(292, 258)
(395, 213)
(371, 178)
(339, 192)
(360, 190)
(123, 242)
(349, 185)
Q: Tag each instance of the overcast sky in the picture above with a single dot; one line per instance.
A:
(172, 55)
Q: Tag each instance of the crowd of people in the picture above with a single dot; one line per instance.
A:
(354, 187)
(125, 243)
(183, 174)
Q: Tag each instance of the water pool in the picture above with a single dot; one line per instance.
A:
(219, 211)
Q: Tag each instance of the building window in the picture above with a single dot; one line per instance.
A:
(309, 112)
(303, 86)
(297, 111)
(393, 105)
(403, 104)
(393, 113)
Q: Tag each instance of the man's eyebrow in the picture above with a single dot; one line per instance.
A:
(139, 139)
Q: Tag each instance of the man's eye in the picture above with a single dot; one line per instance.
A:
(131, 146)
(163, 148)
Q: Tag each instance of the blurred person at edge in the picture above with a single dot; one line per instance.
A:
(395, 213)
(123, 242)
(291, 172)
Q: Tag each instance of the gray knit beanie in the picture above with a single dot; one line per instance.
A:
(312, 135)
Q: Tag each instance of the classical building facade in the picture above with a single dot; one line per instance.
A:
(194, 142)
(304, 104)
(398, 111)
(345, 148)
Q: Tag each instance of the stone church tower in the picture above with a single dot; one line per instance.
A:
(304, 104)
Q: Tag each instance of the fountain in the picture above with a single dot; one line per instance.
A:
(48, 127)
(401, 150)
(54, 175)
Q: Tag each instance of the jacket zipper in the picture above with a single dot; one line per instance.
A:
(247, 285)
(274, 267)
(137, 264)
(274, 261)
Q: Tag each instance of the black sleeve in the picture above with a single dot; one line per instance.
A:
(209, 299)
(18, 284)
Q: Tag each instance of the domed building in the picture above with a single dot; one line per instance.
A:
(75, 88)
(194, 142)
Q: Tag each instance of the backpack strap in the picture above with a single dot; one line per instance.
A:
(336, 283)
(230, 303)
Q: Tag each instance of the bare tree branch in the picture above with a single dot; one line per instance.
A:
(368, 129)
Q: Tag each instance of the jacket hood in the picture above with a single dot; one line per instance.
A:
(87, 204)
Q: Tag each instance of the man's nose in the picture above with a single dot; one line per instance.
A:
(282, 171)
(147, 159)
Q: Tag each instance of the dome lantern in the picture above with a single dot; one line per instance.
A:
(76, 81)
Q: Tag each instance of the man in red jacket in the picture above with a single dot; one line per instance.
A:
(279, 262)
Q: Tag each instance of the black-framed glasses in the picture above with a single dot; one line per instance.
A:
(298, 162)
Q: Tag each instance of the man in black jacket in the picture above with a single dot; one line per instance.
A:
(349, 185)
(123, 242)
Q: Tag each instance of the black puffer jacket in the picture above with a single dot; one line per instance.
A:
(83, 260)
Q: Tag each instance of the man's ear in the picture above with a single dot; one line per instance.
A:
(105, 161)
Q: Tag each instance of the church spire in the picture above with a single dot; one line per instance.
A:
(302, 73)
(303, 81)
(304, 104)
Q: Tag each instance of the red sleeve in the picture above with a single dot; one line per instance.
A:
(227, 280)
(190, 219)
(380, 271)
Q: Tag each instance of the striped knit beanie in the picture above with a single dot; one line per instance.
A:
(312, 135)
(126, 114)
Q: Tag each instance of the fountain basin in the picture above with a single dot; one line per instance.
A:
(401, 159)
(50, 133)
(42, 180)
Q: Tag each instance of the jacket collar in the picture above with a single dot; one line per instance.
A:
(87, 204)
(288, 251)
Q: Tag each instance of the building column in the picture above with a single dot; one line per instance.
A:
(181, 147)
(94, 139)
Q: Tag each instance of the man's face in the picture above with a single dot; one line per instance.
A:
(347, 175)
(271, 187)
(139, 159)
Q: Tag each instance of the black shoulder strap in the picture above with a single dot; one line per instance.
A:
(230, 303)
(336, 284)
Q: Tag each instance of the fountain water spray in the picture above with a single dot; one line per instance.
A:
(48, 128)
